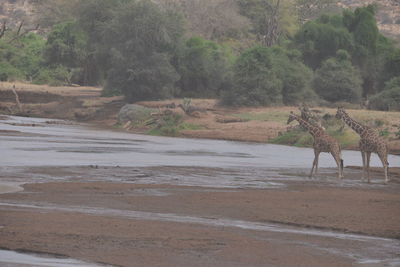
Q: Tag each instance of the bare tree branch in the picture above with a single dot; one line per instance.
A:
(20, 26)
(3, 29)
(19, 35)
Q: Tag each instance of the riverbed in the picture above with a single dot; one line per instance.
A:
(110, 197)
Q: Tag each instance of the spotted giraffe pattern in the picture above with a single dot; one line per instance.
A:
(370, 142)
(322, 143)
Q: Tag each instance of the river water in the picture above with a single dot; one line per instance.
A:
(39, 142)
(31, 143)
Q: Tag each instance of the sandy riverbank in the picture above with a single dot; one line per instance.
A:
(171, 225)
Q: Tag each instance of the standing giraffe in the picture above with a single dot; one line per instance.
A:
(370, 142)
(322, 143)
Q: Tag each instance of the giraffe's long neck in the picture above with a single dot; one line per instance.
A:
(313, 130)
(355, 125)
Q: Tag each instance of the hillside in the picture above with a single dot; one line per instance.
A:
(388, 16)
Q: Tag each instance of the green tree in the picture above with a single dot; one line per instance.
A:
(204, 67)
(93, 18)
(389, 98)
(142, 38)
(268, 76)
(295, 76)
(254, 82)
(318, 40)
(20, 59)
(65, 45)
(391, 66)
(271, 19)
(337, 80)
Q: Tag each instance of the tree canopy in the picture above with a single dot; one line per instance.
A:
(245, 52)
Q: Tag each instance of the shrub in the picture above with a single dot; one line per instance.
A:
(268, 76)
(169, 125)
(56, 76)
(204, 67)
(389, 98)
(141, 38)
(20, 59)
(9, 72)
(337, 80)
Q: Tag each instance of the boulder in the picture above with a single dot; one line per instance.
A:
(134, 113)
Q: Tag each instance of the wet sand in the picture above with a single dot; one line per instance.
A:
(305, 223)
(9, 188)
(172, 202)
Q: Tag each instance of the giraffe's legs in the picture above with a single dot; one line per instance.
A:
(368, 160)
(383, 158)
(363, 156)
(315, 162)
(338, 161)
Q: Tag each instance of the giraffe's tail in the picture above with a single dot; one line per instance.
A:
(341, 164)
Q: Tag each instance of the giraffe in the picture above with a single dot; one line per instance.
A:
(308, 115)
(322, 143)
(370, 142)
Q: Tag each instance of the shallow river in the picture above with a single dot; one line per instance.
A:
(31, 143)
(39, 142)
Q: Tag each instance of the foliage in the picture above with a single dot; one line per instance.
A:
(276, 116)
(93, 17)
(146, 50)
(271, 19)
(267, 76)
(385, 132)
(397, 134)
(320, 39)
(141, 39)
(54, 76)
(254, 82)
(295, 137)
(295, 76)
(20, 59)
(389, 98)
(66, 47)
(391, 65)
(8, 72)
(204, 67)
(337, 80)
(169, 125)
(357, 33)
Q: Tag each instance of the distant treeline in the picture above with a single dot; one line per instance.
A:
(256, 52)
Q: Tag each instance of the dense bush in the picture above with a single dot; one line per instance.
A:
(204, 67)
(389, 98)
(65, 48)
(356, 32)
(268, 76)
(295, 76)
(20, 59)
(141, 40)
(55, 76)
(337, 80)
(142, 49)
(319, 40)
(254, 82)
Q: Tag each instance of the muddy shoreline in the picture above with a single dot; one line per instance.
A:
(127, 224)
(85, 104)
(132, 200)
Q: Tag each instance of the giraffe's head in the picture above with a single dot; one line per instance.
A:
(291, 118)
(340, 113)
